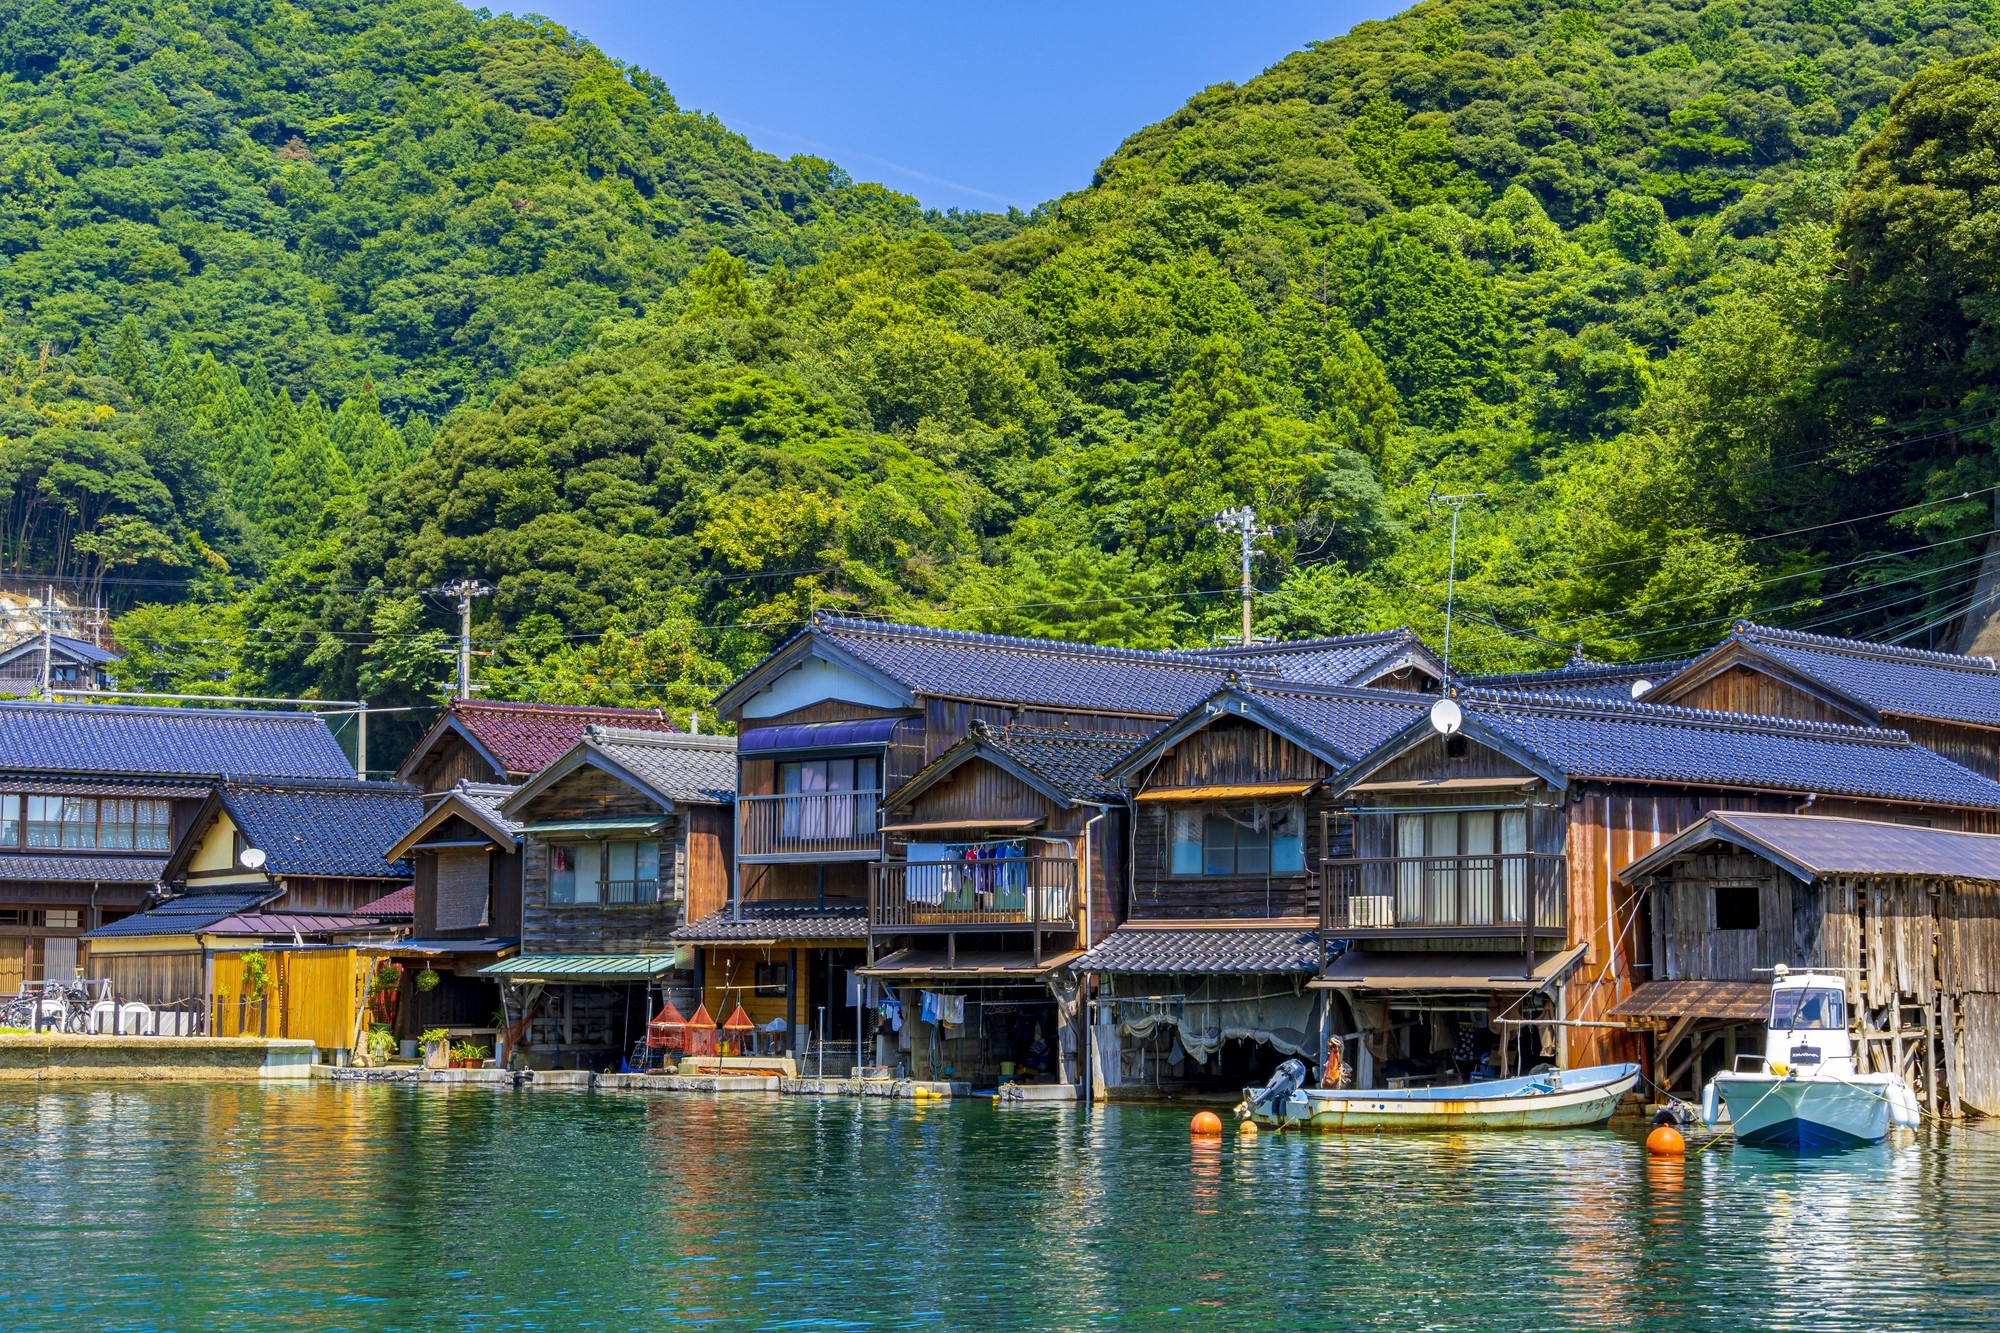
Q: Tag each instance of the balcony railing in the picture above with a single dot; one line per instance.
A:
(1505, 893)
(1008, 893)
(808, 826)
(626, 892)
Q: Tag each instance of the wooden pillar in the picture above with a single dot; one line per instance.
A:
(1930, 1060)
(1950, 1037)
(792, 1001)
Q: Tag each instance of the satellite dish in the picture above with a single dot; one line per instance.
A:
(253, 858)
(1639, 688)
(1447, 717)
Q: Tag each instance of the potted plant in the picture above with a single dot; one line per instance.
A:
(467, 1055)
(427, 981)
(381, 1044)
(436, 1043)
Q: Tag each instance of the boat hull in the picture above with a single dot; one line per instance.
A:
(1586, 1102)
(1805, 1114)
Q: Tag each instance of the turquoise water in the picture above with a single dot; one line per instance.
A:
(378, 1207)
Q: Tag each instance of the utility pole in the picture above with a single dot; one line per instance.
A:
(1453, 503)
(48, 641)
(465, 590)
(1244, 522)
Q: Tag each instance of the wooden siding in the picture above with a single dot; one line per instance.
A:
(586, 928)
(978, 789)
(1442, 759)
(1978, 748)
(843, 882)
(451, 760)
(1232, 750)
(333, 894)
(1746, 689)
(711, 831)
(1794, 925)
(150, 978)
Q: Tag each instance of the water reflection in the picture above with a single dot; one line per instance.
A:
(371, 1207)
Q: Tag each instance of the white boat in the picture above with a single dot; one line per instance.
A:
(1556, 1099)
(1808, 1097)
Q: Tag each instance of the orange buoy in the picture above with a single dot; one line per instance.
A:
(1247, 1129)
(1206, 1124)
(1665, 1141)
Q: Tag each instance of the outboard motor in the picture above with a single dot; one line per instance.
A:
(1289, 1078)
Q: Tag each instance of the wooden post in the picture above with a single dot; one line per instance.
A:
(1950, 1038)
(1930, 1061)
(1896, 1035)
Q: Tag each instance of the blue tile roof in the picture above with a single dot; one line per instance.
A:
(166, 742)
(184, 915)
(63, 648)
(1584, 680)
(1353, 659)
(961, 665)
(82, 869)
(1911, 682)
(1659, 743)
(1348, 722)
(329, 828)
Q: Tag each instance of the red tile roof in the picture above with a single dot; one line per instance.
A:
(397, 902)
(526, 738)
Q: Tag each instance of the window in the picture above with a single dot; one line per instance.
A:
(837, 796)
(119, 823)
(1237, 840)
(1462, 867)
(57, 918)
(632, 872)
(1736, 907)
(1808, 1010)
(79, 821)
(771, 978)
(10, 821)
(596, 874)
(562, 874)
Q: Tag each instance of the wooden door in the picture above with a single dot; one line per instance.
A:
(13, 964)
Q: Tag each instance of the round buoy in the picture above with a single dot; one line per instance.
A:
(1665, 1141)
(1206, 1124)
(1247, 1129)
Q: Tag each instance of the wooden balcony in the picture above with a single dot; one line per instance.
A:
(809, 826)
(1021, 893)
(1505, 895)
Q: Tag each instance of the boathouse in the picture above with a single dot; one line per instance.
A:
(626, 837)
(1909, 916)
(93, 799)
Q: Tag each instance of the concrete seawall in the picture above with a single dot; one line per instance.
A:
(60, 1058)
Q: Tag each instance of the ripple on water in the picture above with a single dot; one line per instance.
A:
(359, 1206)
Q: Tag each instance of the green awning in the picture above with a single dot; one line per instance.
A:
(581, 967)
(594, 826)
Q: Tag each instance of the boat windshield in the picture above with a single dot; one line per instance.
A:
(1808, 1010)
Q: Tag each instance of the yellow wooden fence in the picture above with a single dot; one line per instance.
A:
(316, 995)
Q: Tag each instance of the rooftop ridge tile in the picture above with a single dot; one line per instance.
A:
(1637, 711)
(1181, 659)
(1751, 632)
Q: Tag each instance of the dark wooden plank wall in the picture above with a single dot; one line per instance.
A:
(1978, 748)
(711, 837)
(451, 760)
(1795, 925)
(1743, 689)
(980, 790)
(1433, 760)
(333, 894)
(845, 882)
(591, 793)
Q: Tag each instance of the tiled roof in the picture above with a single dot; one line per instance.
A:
(289, 923)
(1814, 845)
(679, 767)
(960, 665)
(83, 869)
(185, 915)
(1211, 950)
(1353, 659)
(1349, 722)
(1912, 682)
(393, 905)
(1584, 680)
(487, 798)
(167, 742)
(61, 647)
(1072, 761)
(326, 828)
(1659, 743)
(767, 921)
(526, 738)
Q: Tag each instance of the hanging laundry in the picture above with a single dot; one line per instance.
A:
(929, 1008)
(892, 1014)
(925, 881)
(951, 1009)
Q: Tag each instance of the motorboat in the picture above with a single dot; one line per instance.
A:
(1551, 1099)
(1807, 1095)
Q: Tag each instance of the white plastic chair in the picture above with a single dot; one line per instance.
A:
(135, 1019)
(103, 1016)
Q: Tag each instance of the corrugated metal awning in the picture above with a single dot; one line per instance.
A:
(1233, 791)
(857, 732)
(947, 825)
(581, 967)
(636, 825)
(913, 965)
(1418, 972)
(1744, 1001)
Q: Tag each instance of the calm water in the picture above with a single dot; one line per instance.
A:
(355, 1206)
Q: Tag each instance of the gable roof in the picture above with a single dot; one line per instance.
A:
(1353, 659)
(1580, 679)
(1813, 845)
(1875, 680)
(187, 914)
(673, 768)
(477, 803)
(397, 904)
(1336, 724)
(166, 742)
(521, 739)
(61, 646)
(1066, 765)
(1639, 742)
(321, 828)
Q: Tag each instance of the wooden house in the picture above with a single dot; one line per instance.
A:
(61, 664)
(1205, 983)
(495, 742)
(625, 838)
(1946, 702)
(848, 710)
(1908, 916)
(261, 865)
(94, 798)
(1503, 841)
(464, 911)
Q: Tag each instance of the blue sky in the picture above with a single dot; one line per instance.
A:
(963, 106)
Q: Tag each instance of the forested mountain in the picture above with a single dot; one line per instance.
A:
(1695, 298)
